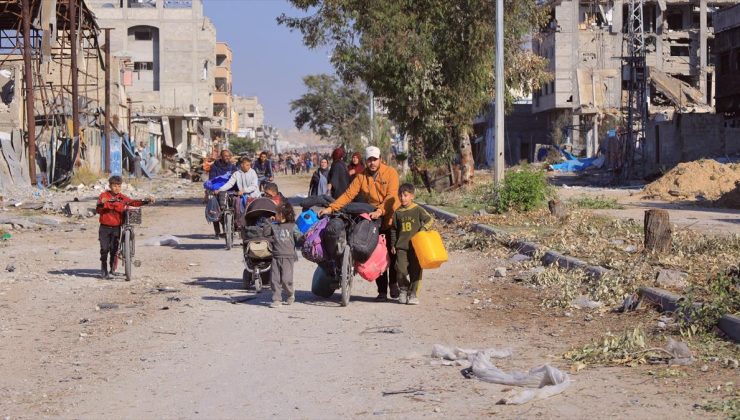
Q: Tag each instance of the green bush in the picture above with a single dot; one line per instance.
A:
(242, 145)
(596, 203)
(524, 189)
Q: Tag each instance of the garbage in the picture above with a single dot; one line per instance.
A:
(104, 306)
(545, 380)
(10, 268)
(164, 240)
(383, 330)
(448, 353)
(630, 303)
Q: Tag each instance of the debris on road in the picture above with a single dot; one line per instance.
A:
(392, 329)
(105, 306)
(164, 240)
(499, 272)
(10, 268)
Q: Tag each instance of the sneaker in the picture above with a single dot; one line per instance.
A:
(290, 300)
(413, 300)
(381, 298)
(403, 297)
(394, 291)
(275, 304)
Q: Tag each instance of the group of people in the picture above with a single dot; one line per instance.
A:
(370, 181)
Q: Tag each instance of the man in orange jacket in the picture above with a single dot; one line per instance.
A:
(377, 185)
(110, 207)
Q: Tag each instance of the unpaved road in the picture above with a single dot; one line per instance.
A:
(190, 353)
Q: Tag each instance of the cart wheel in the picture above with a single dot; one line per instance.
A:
(257, 282)
(346, 276)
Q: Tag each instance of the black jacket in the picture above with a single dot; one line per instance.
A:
(338, 178)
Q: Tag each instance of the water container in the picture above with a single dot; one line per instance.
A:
(429, 249)
(306, 219)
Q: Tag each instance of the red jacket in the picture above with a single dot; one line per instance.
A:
(111, 212)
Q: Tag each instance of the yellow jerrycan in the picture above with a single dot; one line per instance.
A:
(429, 249)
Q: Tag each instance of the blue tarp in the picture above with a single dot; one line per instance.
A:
(217, 182)
(573, 165)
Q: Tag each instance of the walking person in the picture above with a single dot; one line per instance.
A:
(285, 236)
(319, 184)
(338, 175)
(377, 185)
(409, 219)
(263, 167)
(355, 165)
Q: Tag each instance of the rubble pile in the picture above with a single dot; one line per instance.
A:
(730, 199)
(695, 181)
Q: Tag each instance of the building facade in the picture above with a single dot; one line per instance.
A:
(250, 116)
(727, 60)
(221, 124)
(171, 48)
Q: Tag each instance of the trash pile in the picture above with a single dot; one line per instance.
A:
(695, 181)
(542, 381)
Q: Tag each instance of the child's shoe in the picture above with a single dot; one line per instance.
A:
(290, 300)
(403, 296)
(413, 300)
(275, 304)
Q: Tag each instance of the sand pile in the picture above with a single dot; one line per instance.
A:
(701, 179)
(731, 199)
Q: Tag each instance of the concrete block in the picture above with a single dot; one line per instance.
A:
(672, 279)
(730, 325)
(663, 299)
(79, 208)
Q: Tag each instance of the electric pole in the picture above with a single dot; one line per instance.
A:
(498, 149)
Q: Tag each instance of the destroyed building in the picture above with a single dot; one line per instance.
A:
(250, 116)
(586, 47)
(53, 91)
(171, 47)
(727, 53)
(224, 117)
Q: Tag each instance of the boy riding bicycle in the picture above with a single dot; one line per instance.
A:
(110, 207)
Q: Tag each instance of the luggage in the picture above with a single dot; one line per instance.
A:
(376, 264)
(322, 283)
(364, 238)
(213, 210)
(312, 248)
(334, 238)
(306, 219)
(429, 249)
(357, 207)
(316, 200)
(259, 249)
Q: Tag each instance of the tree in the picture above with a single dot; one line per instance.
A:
(333, 110)
(242, 145)
(430, 60)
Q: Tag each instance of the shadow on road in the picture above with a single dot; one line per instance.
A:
(78, 272)
(216, 283)
(200, 236)
(203, 247)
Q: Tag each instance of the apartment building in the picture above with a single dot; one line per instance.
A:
(727, 57)
(222, 123)
(250, 116)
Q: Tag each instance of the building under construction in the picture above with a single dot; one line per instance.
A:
(634, 79)
(53, 71)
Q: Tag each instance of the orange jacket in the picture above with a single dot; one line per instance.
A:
(379, 189)
(110, 208)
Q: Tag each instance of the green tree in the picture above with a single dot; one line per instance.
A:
(242, 145)
(336, 111)
(430, 60)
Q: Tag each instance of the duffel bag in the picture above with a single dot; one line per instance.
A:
(334, 238)
(378, 262)
(322, 283)
(364, 238)
(312, 248)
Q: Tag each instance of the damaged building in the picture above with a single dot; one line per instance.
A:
(171, 77)
(585, 43)
(52, 72)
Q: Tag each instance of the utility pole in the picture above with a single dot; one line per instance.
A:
(372, 116)
(30, 113)
(106, 130)
(73, 70)
(498, 150)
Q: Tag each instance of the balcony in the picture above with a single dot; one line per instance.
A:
(221, 98)
(222, 73)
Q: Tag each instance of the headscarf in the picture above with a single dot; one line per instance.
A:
(337, 154)
(359, 167)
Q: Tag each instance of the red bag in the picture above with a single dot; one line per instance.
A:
(377, 263)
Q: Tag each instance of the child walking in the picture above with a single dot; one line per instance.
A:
(285, 236)
(110, 207)
(407, 221)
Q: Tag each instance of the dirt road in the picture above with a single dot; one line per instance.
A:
(75, 346)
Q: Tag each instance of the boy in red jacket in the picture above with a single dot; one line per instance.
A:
(111, 205)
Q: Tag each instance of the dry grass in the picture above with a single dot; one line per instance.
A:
(84, 175)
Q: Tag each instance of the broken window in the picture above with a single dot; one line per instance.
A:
(178, 4)
(675, 21)
(220, 59)
(142, 3)
(143, 65)
(221, 84)
(680, 51)
(142, 34)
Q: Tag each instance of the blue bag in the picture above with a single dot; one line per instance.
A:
(217, 182)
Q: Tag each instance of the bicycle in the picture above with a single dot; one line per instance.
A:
(226, 201)
(127, 241)
(343, 267)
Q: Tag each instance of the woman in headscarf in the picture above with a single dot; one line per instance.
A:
(320, 180)
(338, 174)
(355, 165)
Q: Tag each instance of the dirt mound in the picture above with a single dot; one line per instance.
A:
(701, 179)
(730, 200)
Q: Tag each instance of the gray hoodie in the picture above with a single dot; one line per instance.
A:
(285, 237)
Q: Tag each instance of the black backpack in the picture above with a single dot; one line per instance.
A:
(334, 238)
(364, 238)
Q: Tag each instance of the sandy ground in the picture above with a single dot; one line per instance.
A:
(188, 352)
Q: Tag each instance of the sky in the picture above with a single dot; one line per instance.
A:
(269, 60)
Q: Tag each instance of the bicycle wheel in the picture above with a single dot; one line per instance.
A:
(257, 281)
(127, 253)
(346, 275)
(229, 229)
